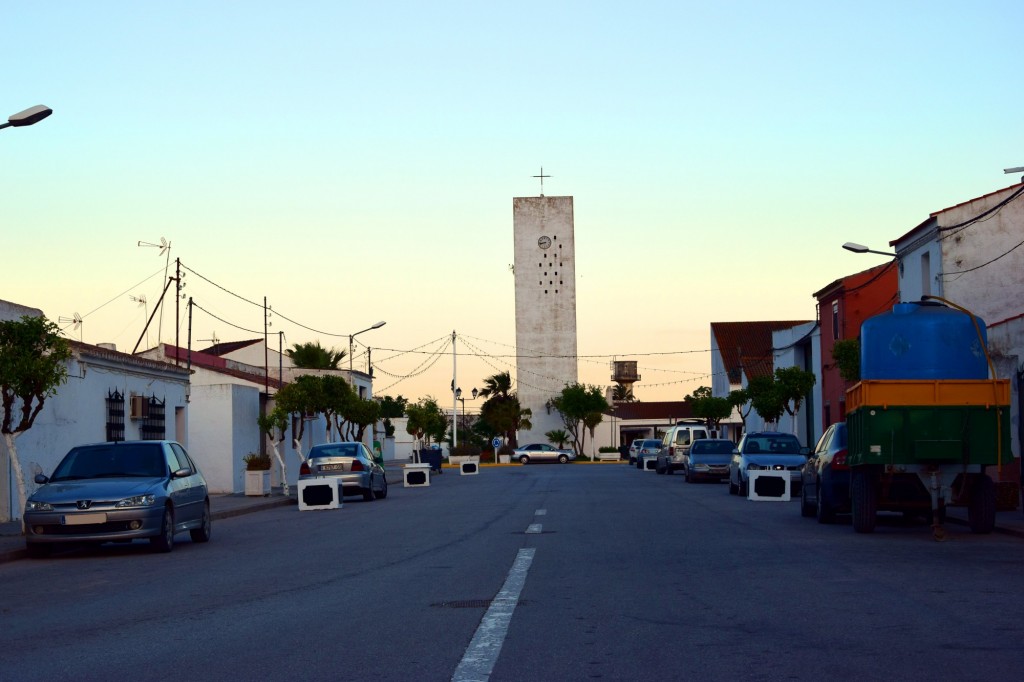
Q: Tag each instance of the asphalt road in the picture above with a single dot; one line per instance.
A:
(608, 573)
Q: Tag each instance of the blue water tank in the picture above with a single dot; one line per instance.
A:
(923, 341)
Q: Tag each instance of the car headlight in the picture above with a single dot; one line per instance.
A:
(33, 505)
(137, 501)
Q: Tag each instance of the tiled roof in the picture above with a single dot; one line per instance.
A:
(679, 409)
(89, 350)
(218, 364)
(748, 345)
(931, 218)
(851, 281)
(219, 349)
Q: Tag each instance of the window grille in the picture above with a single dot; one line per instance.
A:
(152, 427)
(115, 416)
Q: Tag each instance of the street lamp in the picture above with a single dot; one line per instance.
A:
(353, 336)
(860, 248)
(27, 117)
(458, 396)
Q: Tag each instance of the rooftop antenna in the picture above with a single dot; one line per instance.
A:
(165, 248)
(76, 323)
(141, 300)
(213, 340)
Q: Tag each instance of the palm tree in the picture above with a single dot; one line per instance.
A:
(314, 356)
(499, 385)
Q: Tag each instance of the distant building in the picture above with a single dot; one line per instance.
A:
(545, 286)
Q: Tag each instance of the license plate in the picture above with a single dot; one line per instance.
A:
(332, 467)
(83, 519)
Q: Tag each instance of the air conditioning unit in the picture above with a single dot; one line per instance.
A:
(139, 407)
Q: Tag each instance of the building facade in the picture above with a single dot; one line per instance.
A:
(545, 282)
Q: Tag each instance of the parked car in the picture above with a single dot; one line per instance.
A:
(351, 462)
(119, 492)
(542, 452)
(634, 448)
(825, 478)
(676, 443)
(649, 447)
(770, 450)
(708, 459)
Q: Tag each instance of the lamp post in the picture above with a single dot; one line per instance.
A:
(28, 117)
(351, 337)
(860, 248)
(458, 396)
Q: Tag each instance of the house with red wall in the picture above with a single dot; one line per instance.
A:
(842, 306)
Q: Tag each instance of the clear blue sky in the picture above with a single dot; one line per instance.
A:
(355, 162)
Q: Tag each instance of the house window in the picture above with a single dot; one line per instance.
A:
(835, 320)
(153, 426)
(828, 414)
(115, 416)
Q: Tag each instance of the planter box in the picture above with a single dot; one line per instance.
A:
(504, 459)
(257, 483)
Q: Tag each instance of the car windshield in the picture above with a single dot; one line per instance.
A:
(712, 447)
(112, 460)
(775, 444)
(651, 444)
(335, 450)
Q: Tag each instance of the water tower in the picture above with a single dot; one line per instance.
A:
(624, 374)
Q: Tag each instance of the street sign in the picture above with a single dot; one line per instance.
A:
(496, 442)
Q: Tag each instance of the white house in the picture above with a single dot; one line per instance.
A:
(108, 396)
(972, 255)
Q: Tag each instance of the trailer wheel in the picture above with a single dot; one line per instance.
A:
(864, 502)
(981, 511)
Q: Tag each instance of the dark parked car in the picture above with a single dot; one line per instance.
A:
(352, 464)
(118, 492)
(707, 460)
(825, 489)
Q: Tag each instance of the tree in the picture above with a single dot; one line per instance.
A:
(557, 437)
(846, 354)
(582, 407)
(302, 397)
(738, 399)
(275, 426)
(502, 410)
(793, 386)
(314, 356)
(33, 364)
(391, 408)
(336, 395)
(623, 394)
(710, 408)
(767, 398)
(360, 413)
(426, 420)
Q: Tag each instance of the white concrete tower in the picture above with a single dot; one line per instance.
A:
(545, 274)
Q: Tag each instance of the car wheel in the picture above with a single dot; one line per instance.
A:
(368, 494)
(202, 534)
(806, 510)
(639, 464)
(37, 550)
(383, 493)
(865, 502)
(744, 487)
(733, 489)
(668, 469)
(524, 459)
(562, 459)
(686, 476)
(981, 510)
(165, 541)
(825, 512)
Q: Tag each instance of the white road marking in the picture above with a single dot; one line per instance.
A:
(482, 653)
(534, 528)
(540, 512)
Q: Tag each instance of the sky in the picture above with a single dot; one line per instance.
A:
(354, 162)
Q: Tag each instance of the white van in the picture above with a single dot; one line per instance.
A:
(676, 442)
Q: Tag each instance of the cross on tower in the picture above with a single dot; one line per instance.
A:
(542, 176)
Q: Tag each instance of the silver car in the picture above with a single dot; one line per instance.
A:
(542, 452)
(765, 450)
(352, 464)
(118, 492)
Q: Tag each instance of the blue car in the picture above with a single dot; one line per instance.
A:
(826, 477)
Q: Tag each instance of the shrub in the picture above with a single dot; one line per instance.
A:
(257, 462)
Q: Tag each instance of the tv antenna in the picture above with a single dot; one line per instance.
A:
(75, 321)
(213, 340)
(165, 248)
(141, 300)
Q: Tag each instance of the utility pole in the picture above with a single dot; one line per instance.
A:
(455, 399)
